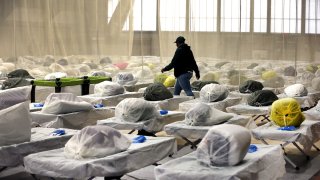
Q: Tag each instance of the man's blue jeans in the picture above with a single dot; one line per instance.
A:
(183, 82)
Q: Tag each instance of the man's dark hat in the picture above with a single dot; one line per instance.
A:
(180, 39)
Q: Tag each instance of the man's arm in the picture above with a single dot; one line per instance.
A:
(174, 61)
(195, 67)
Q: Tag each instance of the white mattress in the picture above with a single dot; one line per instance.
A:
(172, 116)
(110, 100)
(221, 105)
(306, 134)
(266, 163)
(171, 104)
(181, 129)
(54, 164)
(249, 110)
(41, 140)
(75, 120)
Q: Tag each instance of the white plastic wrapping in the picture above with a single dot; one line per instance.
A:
(203, 115)
(182, 129)
(41, 140)
(62, 103)
(126, 78)
(96, 142)
(55, 75)
(54, 164)
(136, 110)
(110, 100)
(108, 88)
(224, 145)
(296, 90)
(213, 93)
(248, 110)
(313, 113)
(15, 124)
(266, 163)
(10, 97)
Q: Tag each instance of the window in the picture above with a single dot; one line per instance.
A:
(286, 16)
(235, 15)
(203, 15)
(260, 16)
(173, 15)
(313, 16)
(144, 15)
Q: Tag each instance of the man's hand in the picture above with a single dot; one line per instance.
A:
(162, 70)
(198, 76)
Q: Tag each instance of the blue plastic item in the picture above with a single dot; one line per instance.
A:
(98, 105)
(287, 128)
(58, 132)
(139, 139)
(38, 104)
(163, 112)
(252, 148)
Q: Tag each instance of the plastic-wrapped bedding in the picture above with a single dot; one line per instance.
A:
(136, 110)
(156, 92)
(15, 124)
(55, 75)
(41, 140)
(107, 88)
(316, 83)
(286, 112)
(250, 86)
(296, 90)
(183, 129)
(307, 134)
(220, 105)
(275, 82)
(224, 145)
(249, 110)
(96, 142)
(10, 97)
(203, 115)
(213, 93)
(266, 163)
(54, 163)
(313, 113)
(198, 85)
(62, 103)
(290, 71)
(126, 78)
(262, 98)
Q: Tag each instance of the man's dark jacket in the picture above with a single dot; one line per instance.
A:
(183, 61)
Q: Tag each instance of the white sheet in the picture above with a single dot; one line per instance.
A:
(221, 105)
(41, 140)
(172, 116)
(75, 120)
(180, 128)
(54, 164)
(110, 100)
(266, 163)
(306, 134)
(249, 110)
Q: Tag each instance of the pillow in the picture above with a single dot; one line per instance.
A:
(224, 145)
(296, 90)
(96, 142)
(286, 112)
(107, 88)
(13, 96)
(275, 82)
(121, 66)
(236, 80)
(210, 76)
(126, 79)
(62, 103)
(262, 98)
(160, 78)
(268, 75)
(156, 92)
(203, 115)
(250, 86)
(213, 93)
(15, 124)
